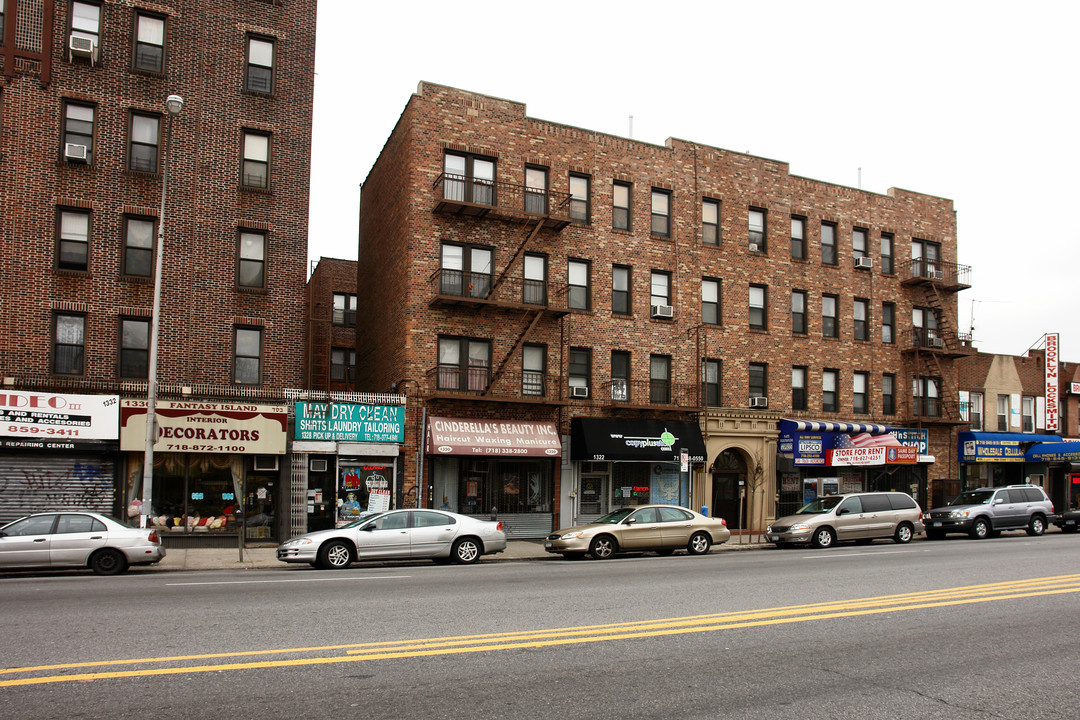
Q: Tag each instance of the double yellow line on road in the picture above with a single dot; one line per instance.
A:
(428, 647)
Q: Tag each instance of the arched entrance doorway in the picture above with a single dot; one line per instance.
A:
(728, 470)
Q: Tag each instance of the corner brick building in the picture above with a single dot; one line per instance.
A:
(584, 321)
(83, 131)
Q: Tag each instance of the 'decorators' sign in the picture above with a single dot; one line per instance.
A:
(37, 417)
(350, 422)
(206, 427)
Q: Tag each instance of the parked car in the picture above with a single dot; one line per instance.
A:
(989, 510)
(395, 535)
(862, 517)
(77, 540)
(1068, 520)
(660, 528)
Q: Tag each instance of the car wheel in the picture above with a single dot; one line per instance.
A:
(602, 547)
(823, 538)
(466, 551)
(699, 544)
(980, 529)
(665, 552)
(108, 562)
(335, 555)
(1037, 526)
(934, 535)
(904, 533)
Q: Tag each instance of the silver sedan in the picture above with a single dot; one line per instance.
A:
(77, 540)
(397, 535)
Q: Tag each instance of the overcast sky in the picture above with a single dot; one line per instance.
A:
(972, 101)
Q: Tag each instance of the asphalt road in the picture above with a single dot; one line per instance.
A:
(952, 629)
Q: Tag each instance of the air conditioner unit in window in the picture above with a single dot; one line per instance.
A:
(864, 262)
(266, 462)
(936, 342)
(75, 153)
(937, 274)
(84, 47)
(755, 247)
(759, 401)
(662, 311)
(317, 465)
(579, 391)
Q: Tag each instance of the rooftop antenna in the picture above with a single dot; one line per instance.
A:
(860, 178)
(631, 127)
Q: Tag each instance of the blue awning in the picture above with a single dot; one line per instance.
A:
(999, 446)
(1054, 452)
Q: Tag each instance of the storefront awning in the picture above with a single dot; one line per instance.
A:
(839, 444)
(492, 438)
(826, 426)
(998, 446)
(1054, 452)
(634, 440)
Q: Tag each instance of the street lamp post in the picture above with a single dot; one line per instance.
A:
(174, 104)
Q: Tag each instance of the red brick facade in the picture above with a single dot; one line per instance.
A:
(331, 333)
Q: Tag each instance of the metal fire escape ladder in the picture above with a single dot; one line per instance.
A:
(947, 398)
(536, 315)
(529, 236)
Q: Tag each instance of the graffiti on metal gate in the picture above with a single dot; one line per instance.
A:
(82, 487)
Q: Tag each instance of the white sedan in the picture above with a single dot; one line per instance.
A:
(77, 540)
(398, 535)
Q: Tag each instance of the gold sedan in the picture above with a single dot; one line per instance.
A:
(659, 528)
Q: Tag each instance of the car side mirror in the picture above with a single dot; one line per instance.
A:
(999, 500)
(630, 521)
(369, 527)
(842, 511)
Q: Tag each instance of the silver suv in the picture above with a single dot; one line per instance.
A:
(988, 511)
(861, 517)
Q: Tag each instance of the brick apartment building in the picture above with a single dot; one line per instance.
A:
(584, 321)
(83, 130)
(330, 365)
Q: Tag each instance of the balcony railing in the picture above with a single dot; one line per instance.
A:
(940, 341)
(460, 285)
(647, 393)
(951, 276)
(477, 197)
(477, 383)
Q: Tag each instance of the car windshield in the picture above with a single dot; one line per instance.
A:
(973, 497)
(820, 505)
(364, 517)
(615, 517)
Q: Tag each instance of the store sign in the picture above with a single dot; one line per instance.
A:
(454, 436)
(206, 427)
(1051, 376)
(918, 438)
(349, 422)
(837, 449)
(1074, 388)
(989, 450)
(42, 420)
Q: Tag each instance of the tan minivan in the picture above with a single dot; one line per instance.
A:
(855, 516)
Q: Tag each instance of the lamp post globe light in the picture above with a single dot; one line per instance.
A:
(174, 104)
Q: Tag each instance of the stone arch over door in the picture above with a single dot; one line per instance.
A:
(728, 470)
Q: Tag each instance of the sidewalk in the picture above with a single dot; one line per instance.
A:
(263, 557)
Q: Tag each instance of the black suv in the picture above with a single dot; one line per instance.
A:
(988, 511)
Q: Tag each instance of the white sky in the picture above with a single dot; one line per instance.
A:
(972, 101)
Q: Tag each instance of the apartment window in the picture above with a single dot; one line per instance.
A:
(467, 178)
(828, 243)
(798, 388)
(924, 391)
(533, 370)
(798, 238)
(536, 190)
(975, 410)
(134, 348)
(860, 311)
(78, 142)
(342, 364)
(464, 364)
(757, 380)
(344, 310)
(758, 307)
(466, 271)
(1027, 413)
(255, 170)
(251, 271)
(710, 222)
(86, 21)
(756, 224)
(798, 312)
(149, 43)
(926, 259)
(710, 378)
(259, 73)
(660, 379)
(1002, 413)
(888, 323)
(620, 289)
(660, 288)
(247, 358)
(888, 394)
(620, 376)
(579, 370)
(578, 279)
(925, 327)
(859, 397)
(661, 213)
(860, 247)
(534, 289)
(830, 380)
(73, 241)
(620, 206)
(710, 301)
(887, 266)
(829, 313)
(138, 247)
(69, 344)
(143, 145)
(580, 210)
